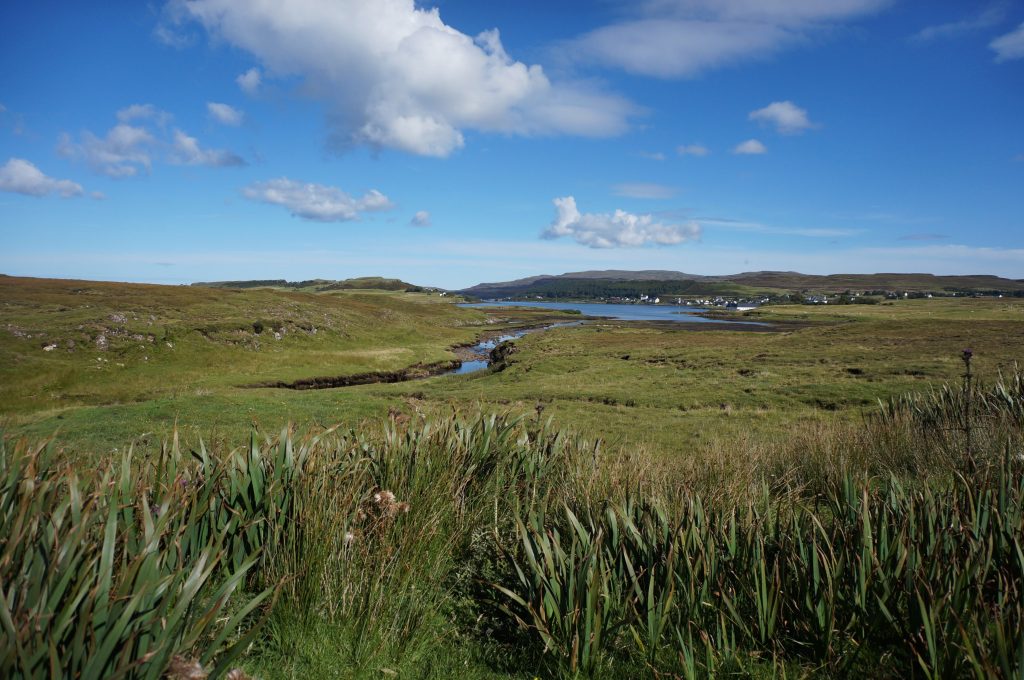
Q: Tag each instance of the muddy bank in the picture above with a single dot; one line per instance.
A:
(414, 372)
(730, 326)
(482, 347)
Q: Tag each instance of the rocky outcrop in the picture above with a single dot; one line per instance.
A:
(500, 355)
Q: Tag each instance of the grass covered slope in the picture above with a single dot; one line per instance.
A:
(318, 285)
(73, 343)
(111, 363)
(69, 344)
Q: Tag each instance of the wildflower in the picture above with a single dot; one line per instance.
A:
(185, 669)
(388, 504)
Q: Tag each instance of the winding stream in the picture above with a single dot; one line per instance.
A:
(483, 349)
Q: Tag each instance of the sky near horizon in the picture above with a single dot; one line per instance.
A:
(459, 141)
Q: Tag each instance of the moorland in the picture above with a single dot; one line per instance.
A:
(828, 495)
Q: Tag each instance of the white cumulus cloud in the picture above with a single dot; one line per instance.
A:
(682, 38)
(1009, 46)
(420, 219)
(751, 147)
(22, 177)
(123, 152)
(223, 113)
(317, 202)
(617, 230)
(250, 81)
(786, 117)
(397, 76)
(187, 151)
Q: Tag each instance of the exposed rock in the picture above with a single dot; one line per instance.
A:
(500, 354)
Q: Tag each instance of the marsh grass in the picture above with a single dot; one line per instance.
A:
(504, 546)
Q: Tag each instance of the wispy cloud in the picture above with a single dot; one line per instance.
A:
(751, 147)
(987, 19)
(250, 81)
(786, 117)
(317, 202)
(757, 227)
(682, 38)
(923, 237)
(139, 138)
(420, 219)
(225, 114)
(644, 190)
(20, 176)
(892, 218)
(187, 151)
(123, 152)
(652, 155)
(692, 150)
(145, 112)
(1010, 46)
(617, 230)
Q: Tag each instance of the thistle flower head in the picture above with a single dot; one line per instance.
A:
(182, 668)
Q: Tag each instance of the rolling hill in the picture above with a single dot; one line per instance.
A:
(625, 283)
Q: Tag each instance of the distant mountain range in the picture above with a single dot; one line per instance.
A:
(626, 283)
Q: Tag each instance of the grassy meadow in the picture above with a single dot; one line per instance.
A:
(184, 354)
(826, 498)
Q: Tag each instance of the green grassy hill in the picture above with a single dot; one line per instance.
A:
(318, 285)
(65, 345)
(615, 283)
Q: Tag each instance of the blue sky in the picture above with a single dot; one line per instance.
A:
(461, 141)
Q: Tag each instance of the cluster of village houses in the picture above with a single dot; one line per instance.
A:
(846, 297)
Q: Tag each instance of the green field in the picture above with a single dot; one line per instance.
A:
(127, 361)
(184, 354)
(652, 500)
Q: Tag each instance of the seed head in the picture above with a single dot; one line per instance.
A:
(185, 669)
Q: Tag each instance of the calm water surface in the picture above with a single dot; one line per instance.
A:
(484, 348)
(619, 312)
